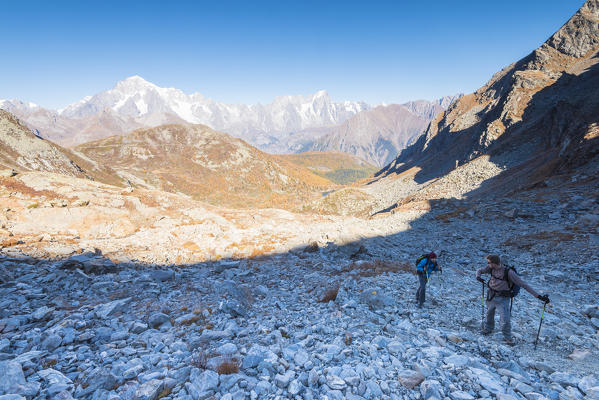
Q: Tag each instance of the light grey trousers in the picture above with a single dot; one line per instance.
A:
(502, 305)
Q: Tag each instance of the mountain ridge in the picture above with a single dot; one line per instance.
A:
(539, 111)
(379, 134)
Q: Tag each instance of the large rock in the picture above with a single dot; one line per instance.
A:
(12, 377)
(374, 299)
(564, 379)
(410, 379)
(42, 313)
(105, 310)
(157, 319)
(587, 383)
(207, 380)
(431, 390)
(150, 390)
(488, 381)
(90, 263)
(54, 377)
(162, 275)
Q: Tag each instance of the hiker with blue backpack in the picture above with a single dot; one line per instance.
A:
(425, 264)
(503, 285)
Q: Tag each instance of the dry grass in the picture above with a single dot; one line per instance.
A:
(347, 338)
(329, 295)
(525, 242)
(15, 185)
(378, 267)
(228, 366)
(200, 359)
(446, 217)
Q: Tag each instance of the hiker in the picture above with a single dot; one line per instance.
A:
(500, 284)
(424, 266)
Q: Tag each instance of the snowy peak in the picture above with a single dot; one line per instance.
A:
(134, 84)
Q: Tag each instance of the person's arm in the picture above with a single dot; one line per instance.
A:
(516, 280)
(421, 264)
(483, 270)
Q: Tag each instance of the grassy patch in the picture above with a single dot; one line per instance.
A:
(228, 366)
(378, 267)
(329, 295)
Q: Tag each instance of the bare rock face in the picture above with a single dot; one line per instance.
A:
(580, 34)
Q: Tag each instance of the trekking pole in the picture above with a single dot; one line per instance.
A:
(482, 311)
(511, 304)
(540, 323)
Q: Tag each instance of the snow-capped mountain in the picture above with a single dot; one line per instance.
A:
(135, 103)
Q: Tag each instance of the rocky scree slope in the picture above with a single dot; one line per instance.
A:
(89, 327)
(534, 119)
(207, 165)
(49, 215)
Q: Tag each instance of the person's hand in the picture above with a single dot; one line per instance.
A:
(478, 278)
(544, 298)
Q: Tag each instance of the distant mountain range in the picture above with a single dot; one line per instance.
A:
(287, 125)
(378, 135)
(136, 103)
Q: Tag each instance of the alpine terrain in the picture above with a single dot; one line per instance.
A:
(379, 134)
(151, 286)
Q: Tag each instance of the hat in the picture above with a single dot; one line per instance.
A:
(432, 255)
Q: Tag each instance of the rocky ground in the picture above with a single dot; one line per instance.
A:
(331, 318)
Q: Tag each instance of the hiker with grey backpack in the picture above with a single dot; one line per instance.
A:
(503, 286)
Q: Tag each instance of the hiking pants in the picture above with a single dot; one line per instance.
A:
(502, 304)
(421, 292)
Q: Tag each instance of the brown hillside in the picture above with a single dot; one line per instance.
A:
(207, 165)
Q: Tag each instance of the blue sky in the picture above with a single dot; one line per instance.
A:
(56, 52)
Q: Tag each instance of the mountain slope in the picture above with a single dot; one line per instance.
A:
(208, 165)
(539, 114)
(379, 134)
(135, 103)
(22, 150)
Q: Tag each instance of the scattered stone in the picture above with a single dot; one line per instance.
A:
(158, 319)
(410, 379)
(150, 390)
(12, 377)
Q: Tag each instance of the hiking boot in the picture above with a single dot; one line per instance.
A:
(509, 341)
(485, 332)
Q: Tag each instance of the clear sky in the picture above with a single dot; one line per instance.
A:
(54, 53)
